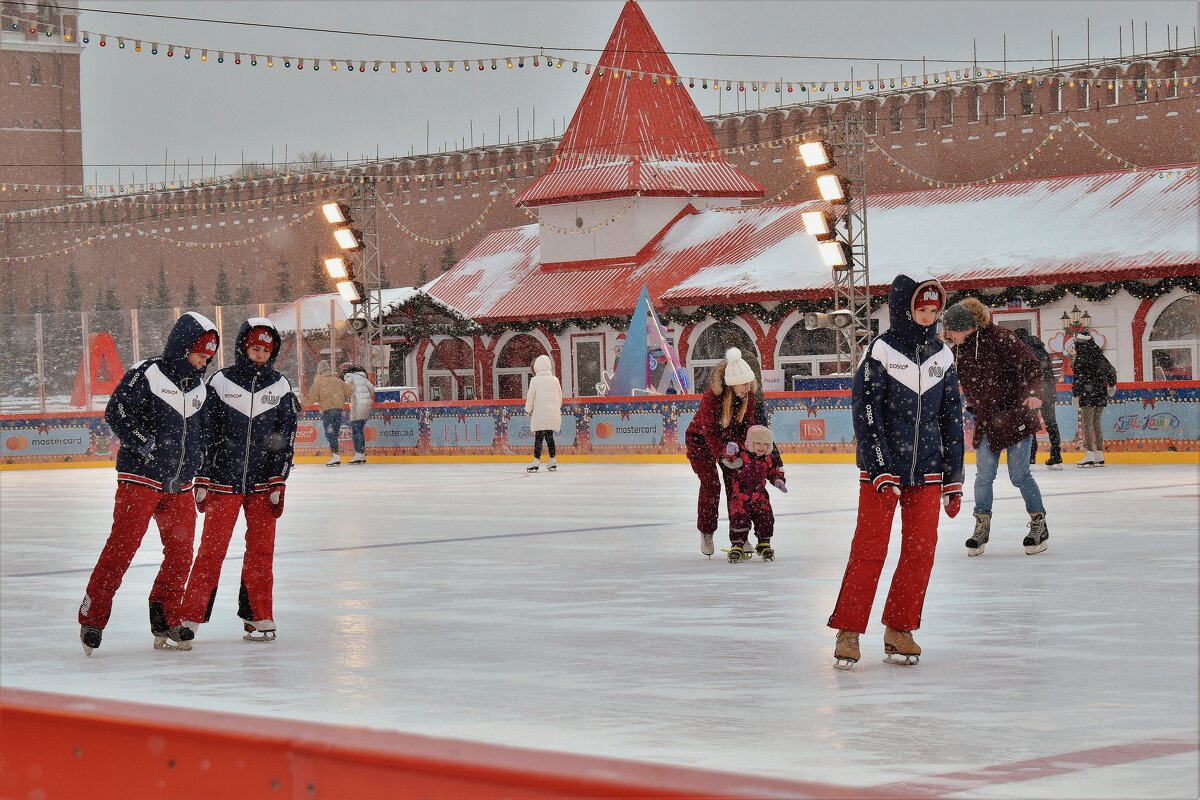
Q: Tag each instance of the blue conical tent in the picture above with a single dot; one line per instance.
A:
(634, 367)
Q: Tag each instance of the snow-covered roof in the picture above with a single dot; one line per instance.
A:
(315, 308)
(1085, 228)
(629, 115)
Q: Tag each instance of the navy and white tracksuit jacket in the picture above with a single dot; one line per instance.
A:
(907, 406)
(252, 429)
(159, 413)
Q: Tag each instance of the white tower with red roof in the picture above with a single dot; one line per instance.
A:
(635, 155)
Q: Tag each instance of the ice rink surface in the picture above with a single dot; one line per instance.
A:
(573, 611)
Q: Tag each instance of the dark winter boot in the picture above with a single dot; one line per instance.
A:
(1035, 542)
(979, 539)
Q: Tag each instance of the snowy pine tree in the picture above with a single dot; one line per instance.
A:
(242, 295)
(318, 279)
(191, 297)
(283, 282)
(449, 259)
(73, 294)
(162, 296)
(222, 294)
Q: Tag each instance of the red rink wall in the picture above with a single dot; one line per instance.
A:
(60, 746)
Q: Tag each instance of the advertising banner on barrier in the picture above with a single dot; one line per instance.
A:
(70, 441)
(392, 431)
(610, 430)
(462, 431)
(519, 434)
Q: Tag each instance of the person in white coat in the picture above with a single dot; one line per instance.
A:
(544, 406)
(361, 400)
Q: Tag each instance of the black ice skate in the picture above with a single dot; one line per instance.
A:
(765, 551)
(168, 637)
(1038, 536)
(261, 631)
(90, 637)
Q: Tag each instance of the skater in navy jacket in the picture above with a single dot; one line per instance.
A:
(158, 412)
(908, 425)
(252, 433)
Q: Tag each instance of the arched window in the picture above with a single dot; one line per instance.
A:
(1175, 341)
(710, 348)
(451, 371)
(514, 366)
(807, 354)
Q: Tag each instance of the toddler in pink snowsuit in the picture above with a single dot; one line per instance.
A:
(749, 505)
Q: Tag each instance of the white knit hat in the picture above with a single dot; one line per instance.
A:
(737, 371)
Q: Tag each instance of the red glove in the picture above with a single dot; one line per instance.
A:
(275, 498)
(953, 503)
(201, 499)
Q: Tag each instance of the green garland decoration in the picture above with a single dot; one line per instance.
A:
(1091, 292)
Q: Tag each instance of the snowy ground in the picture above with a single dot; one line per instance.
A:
(573, 611)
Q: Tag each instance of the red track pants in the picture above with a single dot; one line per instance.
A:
(175, 515)
(258, 580)
(919, 509)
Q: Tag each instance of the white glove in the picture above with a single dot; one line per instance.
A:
(274, 497)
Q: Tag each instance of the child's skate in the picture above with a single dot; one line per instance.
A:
(846, 652)
(736, 554)
(261, 631)
(90, 637)
(764, 550)
(706, 544)
(900, 647)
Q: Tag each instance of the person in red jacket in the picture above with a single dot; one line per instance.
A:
(749, 505)
(1002, 383)
(726, 412)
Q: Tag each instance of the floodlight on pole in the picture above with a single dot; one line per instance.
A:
(831, 188)
(817, 225)
(336, 267)
(348, 238)
(349, 292)
(815, 155)
(336, 213)
(835, 254)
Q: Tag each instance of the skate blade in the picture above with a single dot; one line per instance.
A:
(975, 551)
(843, 663)
(87, 651)
(1033, 550)
(163, 643)
(901, 660)
(260, 636)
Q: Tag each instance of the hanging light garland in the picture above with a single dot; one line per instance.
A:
(475, 223)
(467, 66)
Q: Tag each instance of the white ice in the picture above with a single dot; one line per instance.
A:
(573, 611)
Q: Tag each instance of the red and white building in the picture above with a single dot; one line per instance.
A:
(639, 194)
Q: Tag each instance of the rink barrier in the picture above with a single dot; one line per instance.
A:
(62, 746)
(1156, 422)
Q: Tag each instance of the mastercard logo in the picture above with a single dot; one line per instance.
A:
(370, 434)
(604, 430)
(16, 443)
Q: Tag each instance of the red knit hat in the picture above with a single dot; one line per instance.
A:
(206, 345)
(928, 295)
(259, 335)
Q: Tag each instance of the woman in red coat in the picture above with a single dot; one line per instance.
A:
(726, 412)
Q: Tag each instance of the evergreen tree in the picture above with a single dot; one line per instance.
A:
(318, 280)
(423, 277)
(222, 294)
(73, 295)
(283, 282)
(8, 306)
(449, 259)
(385, 282)
(42, 301)
(162, 296)
(243, 294)
(191, 299)
(111, 302)
(148, 302)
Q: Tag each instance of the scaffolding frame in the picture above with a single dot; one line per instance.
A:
(852, 282)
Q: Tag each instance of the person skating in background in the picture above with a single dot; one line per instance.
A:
(252, 430)
(329, 393)
(907, 413)
(159, 413)
(1002, 383)
(543, 404)
(725, 414)
(361, 402)
(1049, 395)
(1095, 382)
(751, 469)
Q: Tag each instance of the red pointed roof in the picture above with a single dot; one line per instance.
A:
(630, 115)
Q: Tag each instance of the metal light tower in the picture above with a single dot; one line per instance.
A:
(364, 206)
(852, 281)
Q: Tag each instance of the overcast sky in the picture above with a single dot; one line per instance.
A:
(141, 109)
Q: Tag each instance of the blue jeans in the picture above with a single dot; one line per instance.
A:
(358, 432)
(987, 463)
(332, 420)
